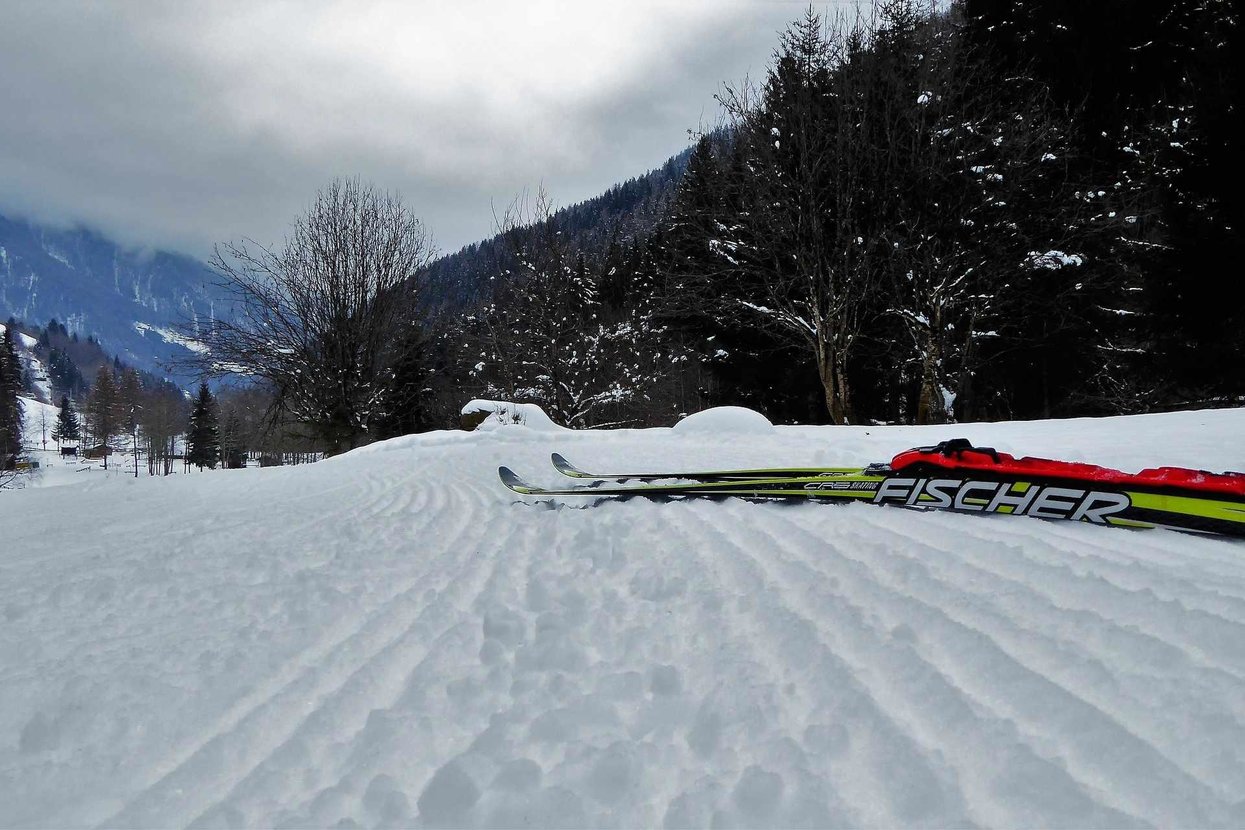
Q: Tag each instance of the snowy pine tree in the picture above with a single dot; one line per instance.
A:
(129, 408)
(67, 428)
(203, 437)
(1152, 91)
(10, 403)
(103, 413)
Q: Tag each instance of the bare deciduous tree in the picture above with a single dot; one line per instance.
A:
(325, 321)
(162, 419)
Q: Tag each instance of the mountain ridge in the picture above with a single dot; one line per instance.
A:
(94, 286)
(134, 301)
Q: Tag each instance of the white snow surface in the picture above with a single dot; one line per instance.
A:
(37, 415)
(391, 638)
(170, 336)
(724, 421)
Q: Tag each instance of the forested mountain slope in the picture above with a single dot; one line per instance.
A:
(131, 301)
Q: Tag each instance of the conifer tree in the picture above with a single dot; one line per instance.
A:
(10, 405)
(203, 438)
(696, 208)
(1155, 93)
(232, 452)
(102, 410)
(129, 406)
(67, 427)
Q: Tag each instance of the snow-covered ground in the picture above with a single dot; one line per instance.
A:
(392, 638)
(55, 470)
(39, 419)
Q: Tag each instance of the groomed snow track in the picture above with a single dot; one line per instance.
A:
(392, 638)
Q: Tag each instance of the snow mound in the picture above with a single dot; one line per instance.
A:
(498, 414)
(733, 420)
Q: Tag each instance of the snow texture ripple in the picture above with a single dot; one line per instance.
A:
(391, 638)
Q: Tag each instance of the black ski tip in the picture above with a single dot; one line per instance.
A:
(511, 479)
(566, 468)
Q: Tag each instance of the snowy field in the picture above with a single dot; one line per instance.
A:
(391, 638)
(39, 422)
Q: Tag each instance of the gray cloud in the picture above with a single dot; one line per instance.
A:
(180, 125)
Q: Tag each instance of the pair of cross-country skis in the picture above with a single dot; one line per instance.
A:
(952, 475)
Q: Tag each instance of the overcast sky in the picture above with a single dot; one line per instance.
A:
(178, 125)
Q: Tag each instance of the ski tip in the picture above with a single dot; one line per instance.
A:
(511, 479)
(566, 468)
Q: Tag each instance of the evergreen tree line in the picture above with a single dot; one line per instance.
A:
(1005, 210)
(135, 409)
(163, 428)
(624, 212)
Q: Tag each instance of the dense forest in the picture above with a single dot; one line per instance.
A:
(1004, 210)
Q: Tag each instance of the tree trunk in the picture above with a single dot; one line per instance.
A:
(931, 406)
(833, 373)
(965, 405)
(965, 401)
